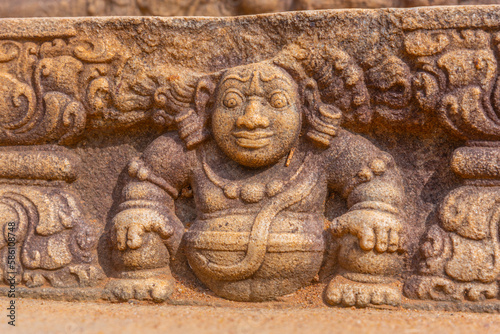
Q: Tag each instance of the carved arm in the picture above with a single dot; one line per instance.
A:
(370, 182)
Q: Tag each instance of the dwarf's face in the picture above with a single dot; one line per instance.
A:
(257, 118)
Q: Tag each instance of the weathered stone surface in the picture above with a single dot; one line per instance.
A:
(55, 8)
(315, 153)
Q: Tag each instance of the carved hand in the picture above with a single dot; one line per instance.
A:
(129, 227)
(375, 229)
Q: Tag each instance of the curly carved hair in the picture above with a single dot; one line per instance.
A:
(324, 74)
(321, 74)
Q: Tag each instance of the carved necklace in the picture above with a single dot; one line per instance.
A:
(251, 192)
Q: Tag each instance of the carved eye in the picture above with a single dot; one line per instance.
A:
(232, 100)
(278, 100)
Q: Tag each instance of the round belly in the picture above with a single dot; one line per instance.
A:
(293, 254)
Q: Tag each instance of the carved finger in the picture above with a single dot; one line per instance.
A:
(165, 231)
(348, 298)
(382, 238)
(377, 297)
(362, 299)
(474, 294)
(337, 227)
(393, 241)
(121, 237)
(135, 233)
(334, 295)
(367, 239)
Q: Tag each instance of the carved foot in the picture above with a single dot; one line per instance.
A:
(342, 291)
(155, 289)
(439, 288)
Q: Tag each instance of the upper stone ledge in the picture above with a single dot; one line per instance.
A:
(62, 8)
(445, 17)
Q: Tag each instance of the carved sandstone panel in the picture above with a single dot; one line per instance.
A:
(255, 156)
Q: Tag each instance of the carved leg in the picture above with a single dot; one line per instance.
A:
(366, 277)
(144, 273)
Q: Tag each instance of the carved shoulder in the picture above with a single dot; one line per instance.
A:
(166, 161)
(357, 168)
(347, 155)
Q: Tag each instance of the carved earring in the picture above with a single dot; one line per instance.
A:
(323, 119)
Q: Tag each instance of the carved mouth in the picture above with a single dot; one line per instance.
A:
(253, 139)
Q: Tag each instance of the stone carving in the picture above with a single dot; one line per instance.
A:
(455, 80)
(357, 164)
(45, 235)
(461, 257)
(260, 189)
(55, 245)
(47, 91)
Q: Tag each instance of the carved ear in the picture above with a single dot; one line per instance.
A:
(323, 118)
(204, 91)
(192, 124)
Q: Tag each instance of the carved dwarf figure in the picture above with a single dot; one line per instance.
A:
(261, 153)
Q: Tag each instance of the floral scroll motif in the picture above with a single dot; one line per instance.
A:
(57, 89)
(53, 244)
(456, 75)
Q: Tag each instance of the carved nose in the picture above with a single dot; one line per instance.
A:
(252, 118)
